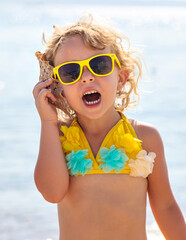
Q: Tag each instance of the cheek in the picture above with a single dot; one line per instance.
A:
(70, 93)
(66, 92)
(112, 84)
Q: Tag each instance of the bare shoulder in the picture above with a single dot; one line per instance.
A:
(159, 190)
(148, 134)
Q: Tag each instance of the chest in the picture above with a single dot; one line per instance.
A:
(95, 143)
(107, 190)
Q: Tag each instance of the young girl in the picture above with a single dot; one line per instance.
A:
(102, 165)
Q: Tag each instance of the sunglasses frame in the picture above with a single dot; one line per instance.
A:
(86, 63)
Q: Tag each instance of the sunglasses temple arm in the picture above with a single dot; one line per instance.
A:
(54, 74)
(118, 62)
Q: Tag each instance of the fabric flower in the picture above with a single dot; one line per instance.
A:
(142, 166)
(71, 139)
(113, 159)
(77, 163)
(126, 141)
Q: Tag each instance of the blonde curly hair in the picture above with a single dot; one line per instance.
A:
(97, 35)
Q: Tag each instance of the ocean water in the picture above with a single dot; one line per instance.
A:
(158, 31)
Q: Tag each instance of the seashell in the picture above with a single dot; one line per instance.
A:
(46, 72)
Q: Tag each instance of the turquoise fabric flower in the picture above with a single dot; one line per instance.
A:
(113, 159)
(77, 164)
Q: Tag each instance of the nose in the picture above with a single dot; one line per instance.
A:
(87, 76)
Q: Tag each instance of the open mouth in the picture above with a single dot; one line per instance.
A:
(91, 98)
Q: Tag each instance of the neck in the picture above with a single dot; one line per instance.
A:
(100, 125)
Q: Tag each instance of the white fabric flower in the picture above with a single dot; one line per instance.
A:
(142, 166)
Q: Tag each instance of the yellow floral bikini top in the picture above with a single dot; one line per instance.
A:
(120, 151)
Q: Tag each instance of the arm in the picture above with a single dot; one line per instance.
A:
(163, 204)
(51, 174)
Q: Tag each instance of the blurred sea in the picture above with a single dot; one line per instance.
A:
(158, 31)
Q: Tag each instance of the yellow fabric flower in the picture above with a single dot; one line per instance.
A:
(126, 141)
(71, 139)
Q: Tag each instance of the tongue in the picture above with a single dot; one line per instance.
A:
(91, 97)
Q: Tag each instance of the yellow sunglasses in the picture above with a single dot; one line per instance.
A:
(99, 65)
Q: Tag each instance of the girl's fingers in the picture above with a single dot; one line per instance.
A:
(51, 96)
(39, 86)
(46, 93)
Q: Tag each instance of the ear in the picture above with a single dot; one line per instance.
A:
(123, 76)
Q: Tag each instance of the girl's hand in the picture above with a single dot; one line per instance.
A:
(45, 109)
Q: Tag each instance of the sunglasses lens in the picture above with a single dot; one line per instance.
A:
(101, 65)
(69, 72)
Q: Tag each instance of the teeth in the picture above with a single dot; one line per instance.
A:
(92, 102)
(91, 92)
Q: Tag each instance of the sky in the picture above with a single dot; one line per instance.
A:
(122, 2)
